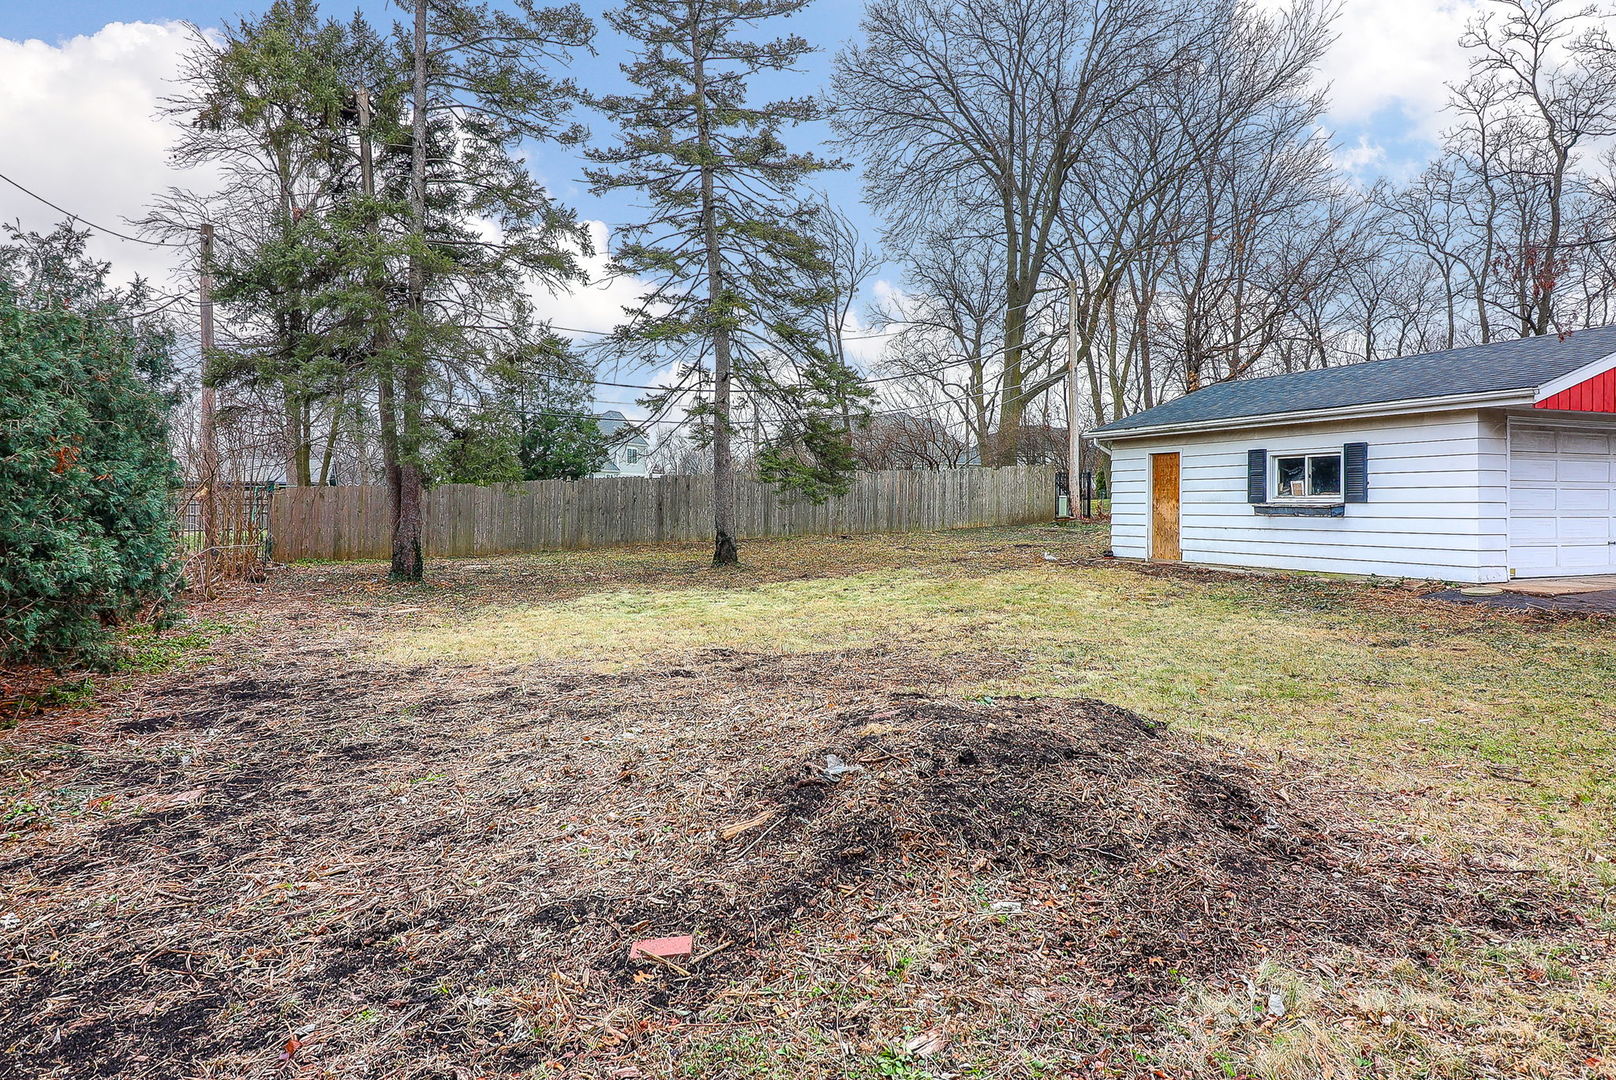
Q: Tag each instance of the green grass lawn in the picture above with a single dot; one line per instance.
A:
(1511, 714)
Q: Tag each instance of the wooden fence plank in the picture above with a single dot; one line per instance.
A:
(547, 515)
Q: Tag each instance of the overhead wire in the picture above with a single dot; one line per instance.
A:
(182, 298)
(861, 382)
(80, 217)
(607, 333)
(569, 329)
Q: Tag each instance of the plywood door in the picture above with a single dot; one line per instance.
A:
(1164, 507)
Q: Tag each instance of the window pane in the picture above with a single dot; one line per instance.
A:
(1290, 473)
(1324, 475)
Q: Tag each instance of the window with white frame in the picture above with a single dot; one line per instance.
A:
(1307, 476)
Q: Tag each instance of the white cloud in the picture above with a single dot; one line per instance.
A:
(1365, 157)
(870, 350)
(867, 345)
(597, 306)
(80, 128)
(1396, 55)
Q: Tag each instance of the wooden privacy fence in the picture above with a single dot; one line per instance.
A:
(547, 515)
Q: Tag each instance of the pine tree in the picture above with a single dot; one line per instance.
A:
(364, 178)
(86, 478)
(726, 242)
(526, 419)
(267, 104)
(480, 86)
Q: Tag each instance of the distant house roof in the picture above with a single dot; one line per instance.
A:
(611, 422)
(1499, 367)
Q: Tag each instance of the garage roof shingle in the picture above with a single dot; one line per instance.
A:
(1523, 364)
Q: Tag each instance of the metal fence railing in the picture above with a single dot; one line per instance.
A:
(224, 530)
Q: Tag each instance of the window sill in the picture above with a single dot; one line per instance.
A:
(1300, 509)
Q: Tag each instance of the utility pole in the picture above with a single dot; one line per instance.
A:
(1074, 436)
(208, 458)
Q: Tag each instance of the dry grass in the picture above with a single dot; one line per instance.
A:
(442, 737)
(616, 629)
(1500, 711)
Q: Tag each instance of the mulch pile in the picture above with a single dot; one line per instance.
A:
(439, 873)
(1188, 863)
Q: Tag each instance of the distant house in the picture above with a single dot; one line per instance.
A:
(626, 445)
(1475, 465)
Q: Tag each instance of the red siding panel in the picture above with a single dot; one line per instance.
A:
(1597, 394)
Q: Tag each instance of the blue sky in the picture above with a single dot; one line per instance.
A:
(54, 23)
(81, 79)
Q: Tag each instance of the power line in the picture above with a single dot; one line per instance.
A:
(457, 404)
(569, 329)
(78, 217)
(608, 333)
(847, 337)
(861, 382)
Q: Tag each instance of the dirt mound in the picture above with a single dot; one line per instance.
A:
(1150, 856)
(1175, 861)
(241, 873)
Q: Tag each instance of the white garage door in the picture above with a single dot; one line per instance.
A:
(1560, 501)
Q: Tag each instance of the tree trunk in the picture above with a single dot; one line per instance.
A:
(329, 451)
(297, 450)
(1013, 405)
(305, 441)
(387, 408)
(725, 552)
(1546, 279)
(407, 562)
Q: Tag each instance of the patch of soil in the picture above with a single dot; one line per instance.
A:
(306, 865)
(1190, 863)
(1600, 604)
(27, 692)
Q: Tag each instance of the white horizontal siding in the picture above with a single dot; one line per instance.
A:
(1437, 508)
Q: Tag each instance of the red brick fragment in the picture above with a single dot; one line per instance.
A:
(670, 948)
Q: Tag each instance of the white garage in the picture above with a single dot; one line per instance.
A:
(1470, 465)
(1560, 509)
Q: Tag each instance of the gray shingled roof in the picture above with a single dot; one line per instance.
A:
(1523, 364)
(611, 421)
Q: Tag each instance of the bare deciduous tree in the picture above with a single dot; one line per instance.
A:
(985, 107)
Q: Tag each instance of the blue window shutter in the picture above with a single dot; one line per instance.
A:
(1355, 472)
(1256, 476)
